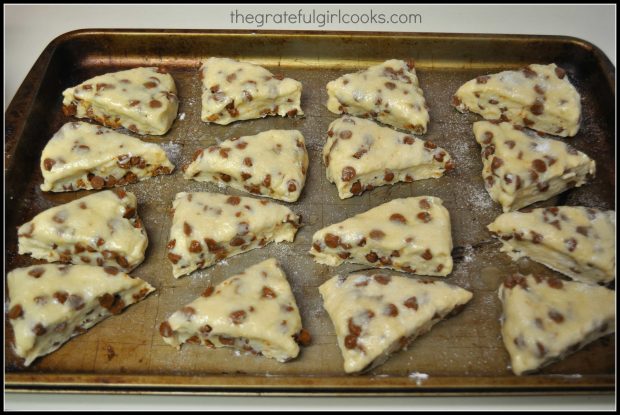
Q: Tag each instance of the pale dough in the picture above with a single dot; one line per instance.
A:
(388, 92)
(521, 168)
(208, 227)
(377, 315)
(361, 155)
(234, 91)
(86, 156)
(142, 100)
(100, 229)
(538, 96)
(545, 319)
(577, 241)
(273, 163)
(253, 312)
(51, 303)
(411, 235)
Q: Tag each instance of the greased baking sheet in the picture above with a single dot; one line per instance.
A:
(461, 355)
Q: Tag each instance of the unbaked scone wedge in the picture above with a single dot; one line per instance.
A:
(577, 241)
(234, 91)
(208, 227)
(411, 235)
(538, 96)
(546, 319)
(521, 168)
(49, 304)
(388, 92)
(377, 315)
(253, 312)
(273, 164)
(143, 100)
(100, 229)
(86, 156)
(360, 155)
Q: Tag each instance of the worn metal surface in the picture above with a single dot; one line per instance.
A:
(462, 355)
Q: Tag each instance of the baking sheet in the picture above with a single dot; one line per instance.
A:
(463, 354)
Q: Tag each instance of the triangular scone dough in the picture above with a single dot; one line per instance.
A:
(388, 92)
(86, 156)
(208, 227)
(411, 235)
(522, 168)
(272, 163)
(234, 91)
(360, 155)
(101, 229)
(546, 319)
(142, 100)
(377, 315)
(539, 97)
(254, 312)
(50, 304)
(574, 240)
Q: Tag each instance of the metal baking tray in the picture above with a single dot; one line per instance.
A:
(461, 356)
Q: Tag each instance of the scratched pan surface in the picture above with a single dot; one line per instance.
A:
(462, 355)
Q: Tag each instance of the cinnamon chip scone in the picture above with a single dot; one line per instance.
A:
(208, 227)
(142, 100)
(521, 168)
(233, 91)
(538, 96)
(273, 164)
(86, 156)
(253, 312)
(49, 304)
(360, 155)
(577, 241)
(101, 229)
(388, 92)
(411, 235)
(377, 315)
(546, 319)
